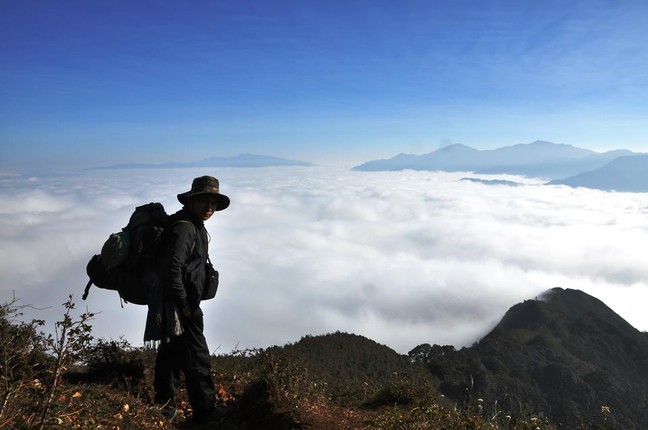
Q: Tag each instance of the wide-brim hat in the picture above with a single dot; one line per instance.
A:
(205, 185)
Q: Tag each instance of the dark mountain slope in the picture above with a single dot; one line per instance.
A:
(564, 356)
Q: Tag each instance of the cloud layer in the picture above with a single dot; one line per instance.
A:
(400, 257)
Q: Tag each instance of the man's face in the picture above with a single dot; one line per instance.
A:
(203, 206)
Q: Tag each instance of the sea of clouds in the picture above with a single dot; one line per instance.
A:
(403, 258)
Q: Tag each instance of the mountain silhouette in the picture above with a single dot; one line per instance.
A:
(536, 159)
(629, 173)
(565, 356)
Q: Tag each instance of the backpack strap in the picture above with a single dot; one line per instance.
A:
(87, 290)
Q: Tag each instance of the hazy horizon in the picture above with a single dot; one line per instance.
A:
(160, 164)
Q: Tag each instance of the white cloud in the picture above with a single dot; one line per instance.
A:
(400, 257)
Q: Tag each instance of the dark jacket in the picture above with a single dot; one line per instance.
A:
(186, 276)
(184, 260)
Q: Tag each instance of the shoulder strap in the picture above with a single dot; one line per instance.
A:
(87, 290)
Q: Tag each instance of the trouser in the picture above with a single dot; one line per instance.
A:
(189, 354)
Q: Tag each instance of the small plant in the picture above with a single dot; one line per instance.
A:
(32, 363)
(67, 346)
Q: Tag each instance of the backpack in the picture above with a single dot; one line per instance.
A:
(128, 259)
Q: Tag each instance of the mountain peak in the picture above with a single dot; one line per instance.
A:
(557, 306)
(456, 147)
(572, 301)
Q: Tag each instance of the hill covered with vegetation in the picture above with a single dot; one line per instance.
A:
(566, 356)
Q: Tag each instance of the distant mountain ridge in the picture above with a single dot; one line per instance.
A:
(537, 159)
(241, 160)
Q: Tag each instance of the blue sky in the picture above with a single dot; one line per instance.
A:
(87, 83)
